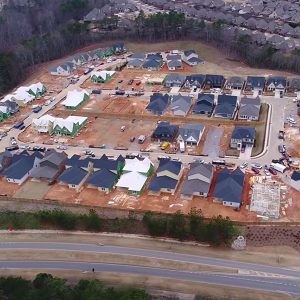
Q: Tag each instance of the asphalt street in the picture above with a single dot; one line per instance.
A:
(284, 285)
(151, 254)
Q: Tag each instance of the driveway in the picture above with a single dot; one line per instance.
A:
(211, 146)
(247, 154)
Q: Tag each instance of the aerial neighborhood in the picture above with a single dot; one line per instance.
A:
(175, 133)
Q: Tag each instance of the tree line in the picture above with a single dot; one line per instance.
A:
(47, 287)
(216, 231)
(52, 29)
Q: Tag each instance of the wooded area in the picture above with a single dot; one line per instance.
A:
(51, 29)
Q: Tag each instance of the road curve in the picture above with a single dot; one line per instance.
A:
(151, 254)
(284, 285)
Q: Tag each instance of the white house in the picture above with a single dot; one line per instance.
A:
(75, 98)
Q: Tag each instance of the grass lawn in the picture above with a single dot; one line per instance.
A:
(261, 130)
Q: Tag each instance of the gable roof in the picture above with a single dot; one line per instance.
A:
(294, 83)
(19, 168)
(195, 78)
(106, 163)
(191, 130)
(137, 56)
(195, 185)
(165, 129)
(137, 165)
(167, 164)
(226, 105)
(295, 176)
(255, 82)
(175, 78)
(243, 132)
(174, 63)
(214, 80)
(158, 102)
(73, 175)
(136, 63)
(250, 107)
(182, 103)
(229, 186)
(235, 81)
(151, 63)
(277, 80)
(94, 15)
(133, 181)
(75, 97)
(189, 52)
(102, 178)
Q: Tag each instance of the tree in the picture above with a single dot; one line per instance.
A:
(196, 224)
(156, 224)
(91, 221)
(177, 226)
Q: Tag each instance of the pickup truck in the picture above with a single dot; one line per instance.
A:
(37, 109)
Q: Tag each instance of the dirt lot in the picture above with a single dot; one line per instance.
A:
(6, 188)
(32, 190)
(216, 61)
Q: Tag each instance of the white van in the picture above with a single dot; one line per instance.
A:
(278, 167)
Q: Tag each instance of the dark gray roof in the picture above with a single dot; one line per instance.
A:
(277, 80)
(229, 186)
(102, 178)
(165, 131)
(136, 63)
(226, 105)
(255, 82)
(137, 56)
(294, 83)
(192, 185)
(169, 165)
(204, 103)
(106, 163)
(191, 130)
(73, 175)
(173, 57)
(20, 168)
(175, 78)
(243, 132)
(235, 81)
(215, 81)
(195, 60)
(158, 103)
(94, 15)
(250, 107)
(295, 176)
(174, 63)
(151, 63)
(180, 102)
(189, 52)
(198, 78)
(155, 56)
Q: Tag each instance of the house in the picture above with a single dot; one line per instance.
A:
(50, 166)
(119, 48)
(73, 177)
(293, 85)
(8, 108)
(135, 175)
(197, 181)
(5, 160)
(235, 83)
(229, 188)
(135, 64)
(191, 58)
(140, 56)
(155, 56)
(165, 132)
(152, 64)
(295, 180)
(213, 81)
(174, 80)
(174, 64)
(226, 107)
(195, 80)
(190, 134)
(276, 83)
(21, 167)
(242, 136)
(158, 103)
(180, 105)
(26, 94)
(102, 76)
(255, 83)
(167, 177)
(249, 109)
(204, 104)
(94, 15)
(75, 99)
(52, 125)
(103, 180)
(113, 165)
(65, 69)
(77, 60)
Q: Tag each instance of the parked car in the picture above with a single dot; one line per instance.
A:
(138, 82)
(37, 109)
(120, 81)
(38, 148)
(244, 165)
(141, 139)
(132, 139)
(281, 134)
(243, 148)
(165, 145)
(257, 166)
(12, 148)
(267, 173)
(123, 128)
(130, 82)
(18, 125)
(96, 91)
(22, 127)
(103, 146)
(272, 171)
(13, 141)
(281, 148)
(255, 170)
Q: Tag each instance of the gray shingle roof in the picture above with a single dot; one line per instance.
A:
(191, 130)
(250, 107)
(182, 103)
(73, 175)
(102, 178)
(243, 132)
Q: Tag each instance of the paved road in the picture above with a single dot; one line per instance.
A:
(152, 254)
(284, 285)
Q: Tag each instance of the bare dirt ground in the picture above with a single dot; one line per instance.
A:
(216, 61)
(7, 188)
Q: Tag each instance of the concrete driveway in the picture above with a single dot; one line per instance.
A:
(211, 146)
